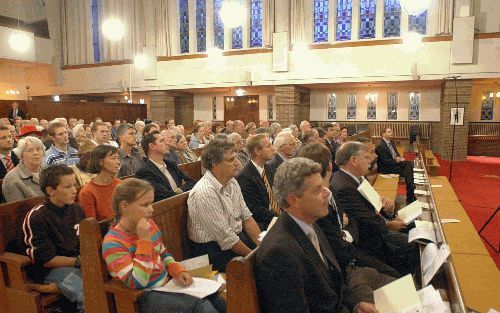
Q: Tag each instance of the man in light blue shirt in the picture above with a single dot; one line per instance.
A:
(60, 152)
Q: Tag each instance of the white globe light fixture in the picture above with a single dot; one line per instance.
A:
(411, 42)
(141, 61)
(232, 14)
(415, 7)
(19, 41)
(113, 29)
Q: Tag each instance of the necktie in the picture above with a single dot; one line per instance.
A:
(393, 152)
(272, 202)
(314, 239)
(8, 163)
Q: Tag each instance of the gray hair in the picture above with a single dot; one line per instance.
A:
(348, 150)
(139, 123)
(78, 128)
(273, 128)
(213, 152)
(280, 139)
(234, 136)
(120, 131)
(21, 145)
(293, 127)
(289, 178)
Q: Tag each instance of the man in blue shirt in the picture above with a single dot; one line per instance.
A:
(60, 152)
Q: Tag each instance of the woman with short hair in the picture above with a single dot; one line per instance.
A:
(96, 196)
(23, 181)
(185, 154)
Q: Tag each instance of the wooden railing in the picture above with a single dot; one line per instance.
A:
(401, 129)
(484, 128)
(484, 145)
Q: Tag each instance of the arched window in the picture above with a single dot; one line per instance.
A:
(332, 106)
(94, 6)
(351, 106)
(414, 106)
(371, 112)
(256, 23)
(418, 23)
(321, 20)
(392, 106)
(392, 18)
(367, 12)
(487, 106)
(344, 19)
(201, 26)
(237, 34)
(184, 25)
(218, 25)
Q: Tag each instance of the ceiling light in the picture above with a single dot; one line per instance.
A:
(126, 97)
(232, 14)
(113, 29)
(19, 41)
(56, 98)
(141, 101)
(129, 101)
(412, 41)
(491, 94)
(240, 92)
(415, 7)
(141, 61)
(498, 94)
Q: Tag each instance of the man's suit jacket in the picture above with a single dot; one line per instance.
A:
(292, 278)
(3, 170)
(371, 226)
(333, 147)
(151, 173)
(255, 195)
(273, 165)
(385, 162)
(20, 113)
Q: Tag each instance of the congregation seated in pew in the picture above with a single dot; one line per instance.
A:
(81, 168)
(167, 179)
(295, 267)
(186, 155)
(129, 155)
(135, 254)
(219, 222)
(96, 196)
(50, 234)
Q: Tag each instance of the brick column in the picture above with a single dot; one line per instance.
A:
(162, 106)
(292, 104)
(449, 96)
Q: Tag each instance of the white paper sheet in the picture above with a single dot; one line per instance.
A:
(449, 220)
(262, 235)
(418, 169)
(398, 296)
(200, 287)
(428, 255)
(442, 255)
(424, 224)
(419, 182)
(436, 186)
(421, 192)
(425, 205)
(271, 224)
(431, 300)
(410, 212)
(370, 194)
(194, 263)
(388, 175)
(421, 233)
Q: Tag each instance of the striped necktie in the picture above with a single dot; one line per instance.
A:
(272, 202)
(8, 163)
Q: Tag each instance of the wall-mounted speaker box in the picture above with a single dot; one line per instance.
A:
(280, 51)
(150, 72)
(462, 45)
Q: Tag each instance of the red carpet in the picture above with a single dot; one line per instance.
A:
(476, 182)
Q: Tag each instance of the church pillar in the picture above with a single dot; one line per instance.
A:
(292, 104)
(162, 106)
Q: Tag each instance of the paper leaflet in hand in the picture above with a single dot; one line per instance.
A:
(200, 287)
(370, 194)
(397, 296)
(410, 212)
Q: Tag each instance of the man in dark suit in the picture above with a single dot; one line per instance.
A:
(167, 179)
(378, 233)
(332, 135)
(16, 111)
(254, 181)
(295, 268)
(342, 233)
(285, 145)
(390, 162)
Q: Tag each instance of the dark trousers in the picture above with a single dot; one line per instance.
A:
(218, 257)
(404, 256)
(405, 169)
(364, 258)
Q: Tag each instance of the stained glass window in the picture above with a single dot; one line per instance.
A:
(414, 106)
(184, 25)
(344, 19)
(392, 18)
(320, 20)
(418, 23)
(214, 108)
(256, 23)
(270, 107)
(218, 25)
(351, 106)
(201, 26)
(392, 106)
(371, 112)
(332, 106)
(367, 12)
(487, 106)
(95, 30)
(237, 38)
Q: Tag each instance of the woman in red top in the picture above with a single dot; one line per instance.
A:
(97, 195)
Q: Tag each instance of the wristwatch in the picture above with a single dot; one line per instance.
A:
(78, 263)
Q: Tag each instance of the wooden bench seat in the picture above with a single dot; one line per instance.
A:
(192, 169)
(241, 287)
(17, 292)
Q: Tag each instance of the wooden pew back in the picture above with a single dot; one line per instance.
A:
(197, 151)
(192, 169)
(171, 217)
(241, 287)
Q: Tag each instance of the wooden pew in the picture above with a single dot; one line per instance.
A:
(17, 292)
(241, 288)
(197, 151)
(192, 169)
(103, 294)
(386, 187)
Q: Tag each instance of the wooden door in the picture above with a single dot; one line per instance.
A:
(245, 108)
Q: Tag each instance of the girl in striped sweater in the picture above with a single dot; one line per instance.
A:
(135, 254)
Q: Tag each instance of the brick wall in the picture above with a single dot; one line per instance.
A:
(162, 106)
(292, 104)
(452, 91)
